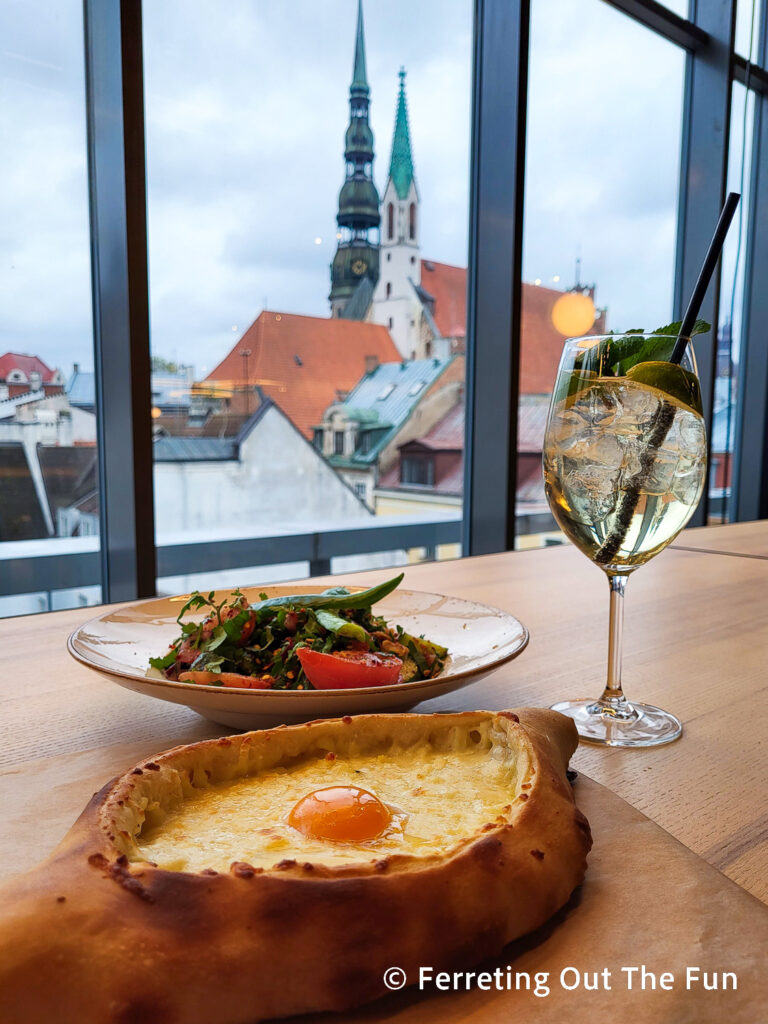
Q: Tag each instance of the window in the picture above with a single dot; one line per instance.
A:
(360, 491)
(747, 29)
(728, 385)
(49, 491)
(317, 438)
(219, 197)
(417, 469)
(588, 235)
(215, 183)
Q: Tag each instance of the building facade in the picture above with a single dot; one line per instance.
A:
(391, 404)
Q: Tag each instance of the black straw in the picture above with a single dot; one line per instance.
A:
(665, 415)
(705, 275)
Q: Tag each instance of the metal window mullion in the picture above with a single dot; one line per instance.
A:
(117, 197)
(703, 175)
(751, 75)
(495, 270)
(664, 22)
(750, 470)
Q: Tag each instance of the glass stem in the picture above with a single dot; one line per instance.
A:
(613, 693)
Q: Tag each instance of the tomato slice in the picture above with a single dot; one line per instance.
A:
(233, 679)
(347, 669)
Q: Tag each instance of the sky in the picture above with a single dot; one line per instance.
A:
(246, 109)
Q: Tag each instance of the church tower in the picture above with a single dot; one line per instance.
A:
(396, 302)
(356, 263)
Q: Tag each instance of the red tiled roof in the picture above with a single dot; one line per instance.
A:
(447, 436)
(541, 344)
(217, 424)
(302, 361)
(448, 286)
(532, 423)
(27, 364)
(452, 480)
(448, 433)
(530, 483)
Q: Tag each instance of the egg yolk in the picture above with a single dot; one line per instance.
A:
(341, 814)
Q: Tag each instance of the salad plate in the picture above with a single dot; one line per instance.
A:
(120, 643)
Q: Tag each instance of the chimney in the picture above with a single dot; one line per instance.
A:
(76, 367)
(371, 364)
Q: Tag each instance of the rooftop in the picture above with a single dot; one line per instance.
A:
(541, 344)
(301, 362)
(27, 365)
(384, 399)
(446, 439)
(447, 286)
(194, 449)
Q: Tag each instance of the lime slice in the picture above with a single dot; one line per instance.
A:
(678, 384)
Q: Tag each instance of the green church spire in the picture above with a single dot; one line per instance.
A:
(359, 76)
(401, 163)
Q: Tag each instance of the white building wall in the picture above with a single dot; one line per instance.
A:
(279, 479)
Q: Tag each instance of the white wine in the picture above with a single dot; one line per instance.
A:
(596, 452)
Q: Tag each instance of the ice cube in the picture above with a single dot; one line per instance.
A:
(691, 436)
(688, 478)
(662, 474)
(638, 406)
(632, 449)
(565, 431)
(592, 491)
(597, 448)
(597, 406)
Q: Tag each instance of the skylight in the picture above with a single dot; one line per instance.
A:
(385, 392)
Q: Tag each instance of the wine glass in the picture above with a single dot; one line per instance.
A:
(624, 468)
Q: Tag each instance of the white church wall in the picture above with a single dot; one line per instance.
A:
(395, 303)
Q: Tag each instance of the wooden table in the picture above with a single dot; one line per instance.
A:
(749, 540)
(696, 643)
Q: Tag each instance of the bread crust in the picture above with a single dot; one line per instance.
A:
(92, 934)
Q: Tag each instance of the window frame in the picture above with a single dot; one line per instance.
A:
(116, 144)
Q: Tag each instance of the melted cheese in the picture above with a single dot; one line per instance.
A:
(436, 798)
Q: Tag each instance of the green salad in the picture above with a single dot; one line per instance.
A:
(331, 640)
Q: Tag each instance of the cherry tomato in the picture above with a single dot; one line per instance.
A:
(347, 669)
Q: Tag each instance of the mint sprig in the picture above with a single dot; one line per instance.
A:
(613, 356)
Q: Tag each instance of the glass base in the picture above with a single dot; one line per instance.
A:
(618, 723)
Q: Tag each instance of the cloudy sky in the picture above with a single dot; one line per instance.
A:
(247, 104)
